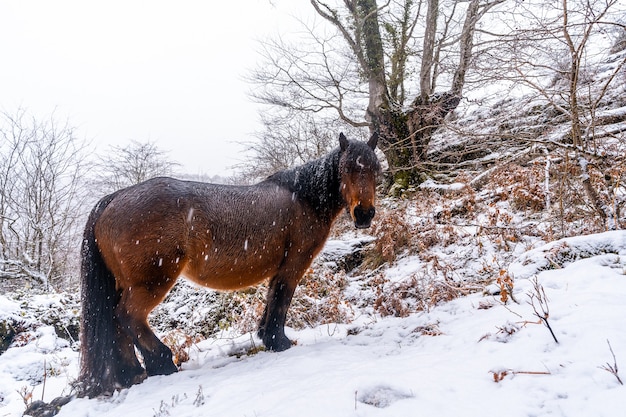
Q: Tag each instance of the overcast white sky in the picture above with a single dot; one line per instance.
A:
(170, 72)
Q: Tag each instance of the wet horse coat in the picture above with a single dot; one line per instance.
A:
(139, 240)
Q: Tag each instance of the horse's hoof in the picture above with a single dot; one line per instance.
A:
(131, 376)
(139, 378)
(277, 343)
(163, 369)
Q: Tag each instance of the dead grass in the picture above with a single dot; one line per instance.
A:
(415, 294)
(179, 343)
(394, 236)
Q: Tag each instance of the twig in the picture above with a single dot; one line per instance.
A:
(199, 401)
(511, 311)
(27, 396)
(45, 377)
(499, 375)
(539, 295)
(553, 263)
(612, 368)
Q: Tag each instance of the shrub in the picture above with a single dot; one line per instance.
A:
(523, 186)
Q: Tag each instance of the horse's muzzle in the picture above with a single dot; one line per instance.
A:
(363, 217)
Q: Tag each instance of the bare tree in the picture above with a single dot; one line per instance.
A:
(14, 141)
(136, 162)
(41, 166)
(392, 60)
(308, 138)
(554, 52)
(551, 50)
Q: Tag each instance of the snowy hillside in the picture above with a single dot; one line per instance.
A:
(486, 291)
(471, 356)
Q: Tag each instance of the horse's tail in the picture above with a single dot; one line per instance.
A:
(98, 373)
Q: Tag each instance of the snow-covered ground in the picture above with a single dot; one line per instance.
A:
(473, 356)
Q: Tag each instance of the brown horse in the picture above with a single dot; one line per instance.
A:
(139, 240)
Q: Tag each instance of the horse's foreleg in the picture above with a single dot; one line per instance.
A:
(132, 314)
(272, 325)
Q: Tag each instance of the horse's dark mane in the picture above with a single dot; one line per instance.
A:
(316, 182)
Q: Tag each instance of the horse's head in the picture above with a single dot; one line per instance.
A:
(359, 169)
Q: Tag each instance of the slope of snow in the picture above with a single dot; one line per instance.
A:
(442, 362)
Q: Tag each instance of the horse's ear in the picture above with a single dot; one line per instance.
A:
(343, 142)
(373, 140)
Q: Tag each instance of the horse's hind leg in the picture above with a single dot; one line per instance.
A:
(132, 314)
(272, 325)
(129, 370)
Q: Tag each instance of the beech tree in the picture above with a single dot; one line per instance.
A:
(397, 68)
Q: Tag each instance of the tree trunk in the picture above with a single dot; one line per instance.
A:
(404, 132)
(426, 86)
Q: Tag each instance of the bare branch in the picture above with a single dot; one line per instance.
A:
(612, 368)
(539, 303)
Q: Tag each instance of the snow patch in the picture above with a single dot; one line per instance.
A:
(563, 252)
(382, 396)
